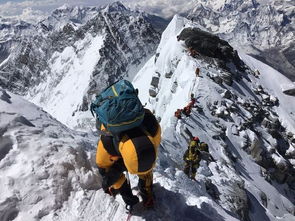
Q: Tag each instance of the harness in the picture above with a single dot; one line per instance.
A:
(192, 156)
(149, 127)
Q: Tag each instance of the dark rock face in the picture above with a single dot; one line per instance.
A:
(155, 82)
(210, 45)
(5, 97)
(9, 208)
(290, 92)
(6, 145)
(239, 201)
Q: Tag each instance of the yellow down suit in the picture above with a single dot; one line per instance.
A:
(134, 150)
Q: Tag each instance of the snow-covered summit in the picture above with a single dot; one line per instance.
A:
(76, 16)
(116, 6)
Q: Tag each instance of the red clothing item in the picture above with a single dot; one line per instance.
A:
(192, 103)
(178, 113)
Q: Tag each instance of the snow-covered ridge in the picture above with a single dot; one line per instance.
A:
(248, 125)
(76, 16)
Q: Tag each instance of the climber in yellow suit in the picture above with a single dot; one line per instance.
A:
(135, 151)
(192, 158)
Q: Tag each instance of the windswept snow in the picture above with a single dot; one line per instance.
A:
(43, 164)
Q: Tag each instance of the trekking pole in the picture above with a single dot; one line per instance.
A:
(92, 131)
(190, 169)
(127, 177)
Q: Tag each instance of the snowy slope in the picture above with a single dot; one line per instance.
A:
(275, 83)
(73, 66)
(247, 185)
(43, 164)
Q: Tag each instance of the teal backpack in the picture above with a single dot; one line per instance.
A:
(118, 107)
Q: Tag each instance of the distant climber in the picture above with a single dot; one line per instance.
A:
(192, 158)
(192, 52)
(197, 72)
(186, 111)
(191, 104)
(126, 145)
(177, 113)
(196, 152)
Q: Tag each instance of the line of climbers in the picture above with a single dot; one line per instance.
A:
(195, 152)
(129, 141)
(193, 53)
(187, 109)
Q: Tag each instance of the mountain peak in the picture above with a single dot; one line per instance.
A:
(64, 7)
(116, 6)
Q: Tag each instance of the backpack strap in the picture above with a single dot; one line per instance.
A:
(111, 145)
(150, 124)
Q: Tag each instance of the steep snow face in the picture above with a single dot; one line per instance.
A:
(76, 16)
(43, 164)
(70, 76)
(248, 125)
(261, 28)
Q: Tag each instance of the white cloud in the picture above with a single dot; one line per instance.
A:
(30, 15)
(165, 8)
(32, 9)
(46, 6)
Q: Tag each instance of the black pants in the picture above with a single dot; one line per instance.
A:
(190, 169)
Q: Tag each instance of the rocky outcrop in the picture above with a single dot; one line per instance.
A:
(211, 45)
(290, 92)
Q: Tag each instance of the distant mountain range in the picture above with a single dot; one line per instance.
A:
(264, 29)
(36, 58)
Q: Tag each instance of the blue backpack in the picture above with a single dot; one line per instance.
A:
(118, 107)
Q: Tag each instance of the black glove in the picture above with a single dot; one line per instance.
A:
(105, 186)
(112, 175)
